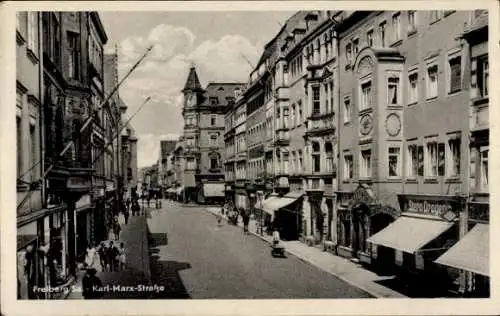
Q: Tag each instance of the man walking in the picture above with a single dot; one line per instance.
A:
(91, 285)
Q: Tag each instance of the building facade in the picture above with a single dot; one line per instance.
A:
(62, 169)
(203, 114)
(167, 147)
(371, 116)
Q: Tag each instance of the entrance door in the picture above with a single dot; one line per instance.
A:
(386, 257)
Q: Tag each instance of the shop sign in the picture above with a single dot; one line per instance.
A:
(435, 208)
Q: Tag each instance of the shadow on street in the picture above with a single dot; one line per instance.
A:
(166, 272)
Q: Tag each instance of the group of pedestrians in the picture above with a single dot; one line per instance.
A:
(106, 257)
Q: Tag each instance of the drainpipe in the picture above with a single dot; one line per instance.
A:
(41, 120)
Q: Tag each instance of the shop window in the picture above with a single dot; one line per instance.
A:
(316, 100)
(347, 110)
(484, 169)
(394, 157)
(366, 96)
(413, 88)
(396, 27)
(454, 74)
(413, 163)
(483, 76)
(431, 159)
(369, 38)
(454, 161)
(393, 90)
(412, 21)
(348, 166)
(366, 161)
(432, 81)
(383, 36)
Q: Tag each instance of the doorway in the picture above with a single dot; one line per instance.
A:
(386, 257)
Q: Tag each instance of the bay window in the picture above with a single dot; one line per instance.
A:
(316, 101)
(393, 90)
(347, 109)
(329, 157)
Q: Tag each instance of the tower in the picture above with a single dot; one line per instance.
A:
(192, 89)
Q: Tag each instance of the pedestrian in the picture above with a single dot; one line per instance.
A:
(127, 203)
(112, 256)
(276, 237)
(90, 256)
(102, 251)
(126, 215)
(122, 257)
(91, 285)
(111, 233)
(117, 229)
(135, 208)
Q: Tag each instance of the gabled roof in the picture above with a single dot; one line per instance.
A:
(192, 82)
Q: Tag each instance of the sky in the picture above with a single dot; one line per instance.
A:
(217, 43)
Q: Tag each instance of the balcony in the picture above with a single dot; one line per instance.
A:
(192, 149)
(242, 155)
(282, 138)
(480, 115)
(321, 124)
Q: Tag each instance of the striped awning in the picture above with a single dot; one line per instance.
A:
(213, 189)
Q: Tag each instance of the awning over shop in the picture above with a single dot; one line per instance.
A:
(471, 253)
(274, 203)
(179, 190)
(213, 189)
(409, 234)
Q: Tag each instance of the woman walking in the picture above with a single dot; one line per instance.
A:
(122, 257)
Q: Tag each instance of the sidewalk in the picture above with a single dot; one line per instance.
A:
(137, 272)
(342, 268)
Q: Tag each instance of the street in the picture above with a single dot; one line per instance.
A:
(194, 258)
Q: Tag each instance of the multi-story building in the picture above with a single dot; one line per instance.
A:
(203, 114)
(166, 149)
(30, 199)
(241, 155)
(474, 231)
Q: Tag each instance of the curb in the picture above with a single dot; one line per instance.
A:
(372, 293)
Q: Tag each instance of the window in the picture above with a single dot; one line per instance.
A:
(285, 118)
(412, 169)
(355, 45)
(33, 157)
(441, 159)
(348, 166)
(332, 99)
(394, 162)
(482, 76)
(214, 164)
(432, 81)
(369, 38)
(484, 169)
(366, 163)
(74, 55)
(316, 157)
(347, 110)
(421, 165)
(431, 159)
(33, 31)
(300, 117)
(327, 99)
(19, 137)
(413, 88)
(293, 116)
(213, 120)
(285, 163)
(393, 90)
(454, 162)
(396, 27)
(213, 140)
(412, 22)
(382, 29)
(191, 164)
(300, 161)
(454, 74)
(348, 53)
(366, 96)
(329, 157)
(316, 100)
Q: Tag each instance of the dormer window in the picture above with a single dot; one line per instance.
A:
(230, 100)
(214, 100)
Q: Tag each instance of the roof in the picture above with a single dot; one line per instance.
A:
(192, 82)
(221, 91)
(100, 28)
(167, 147)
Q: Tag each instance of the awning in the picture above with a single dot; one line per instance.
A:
(409, 234)
(179, 190)
(470, 253)
(213, 189)
(274, 203)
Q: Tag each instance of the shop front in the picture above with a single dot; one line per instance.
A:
(470, 254)
(284, 213)
(213, 192)
(29, 266)
(360, 215)
(427, 227)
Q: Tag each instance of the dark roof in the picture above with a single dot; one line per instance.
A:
(192, 82)
(221, 91)
(167, 147)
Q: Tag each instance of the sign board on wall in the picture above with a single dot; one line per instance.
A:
(442, 207)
